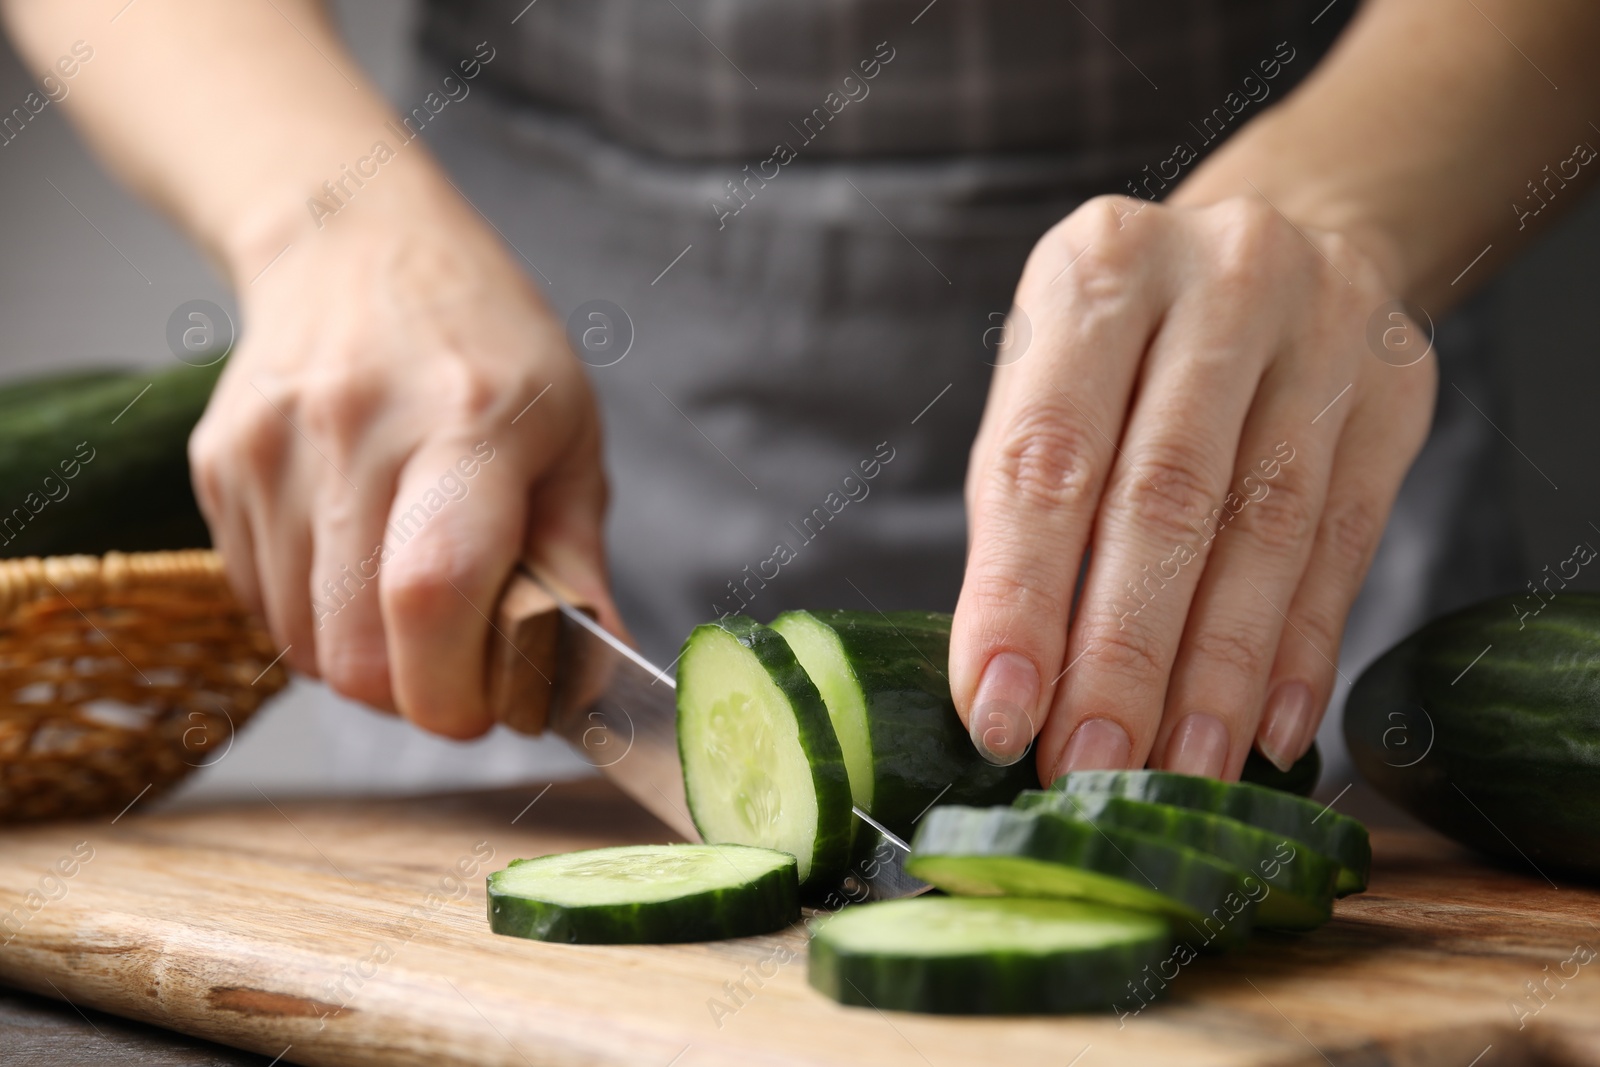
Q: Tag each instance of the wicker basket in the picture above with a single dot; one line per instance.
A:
(118, 676)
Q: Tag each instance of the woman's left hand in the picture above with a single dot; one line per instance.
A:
(1199, 412)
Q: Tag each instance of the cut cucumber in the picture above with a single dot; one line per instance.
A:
(904, 745)
(1321, 829)
(1006, 852)
(642, 894)
(960, 955)
(984, 957)
(761, 764)
(1300, 881)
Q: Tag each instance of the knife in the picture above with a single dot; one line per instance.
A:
(552, 666)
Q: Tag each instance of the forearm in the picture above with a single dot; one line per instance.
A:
(1421, 131)
(230, 116)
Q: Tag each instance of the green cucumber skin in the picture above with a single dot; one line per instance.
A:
(1508, 749)
(920, 750)
(835, 819)
(134, 494)
(1197, 884)
(768, 903)
(982, 983)
(1301, 884)
(1339, 837)
(1300, 779)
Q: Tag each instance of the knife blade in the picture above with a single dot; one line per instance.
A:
(619, 711)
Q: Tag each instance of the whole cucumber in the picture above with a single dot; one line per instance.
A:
(94, 461)
(1485, 725)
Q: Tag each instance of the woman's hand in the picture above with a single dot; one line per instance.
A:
(402, 421)
(1199, 412)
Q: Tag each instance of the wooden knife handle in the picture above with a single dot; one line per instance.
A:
(524, 655)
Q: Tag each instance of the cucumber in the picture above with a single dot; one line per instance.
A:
(1485, 725)
(983, 957)
(1321, 829)
(82, 471)
(1300, 779)
(1006, 852)
(1300, 882)
(904, 745)
(761, 764)
(643, 894)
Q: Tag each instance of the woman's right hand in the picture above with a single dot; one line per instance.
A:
(402, 421)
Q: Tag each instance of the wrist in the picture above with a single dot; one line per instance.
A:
(1259, 163)
(388, 189)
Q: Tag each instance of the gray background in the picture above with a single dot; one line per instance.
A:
(71, 295)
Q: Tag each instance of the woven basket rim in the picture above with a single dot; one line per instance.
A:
(110, 667)
(86, 580)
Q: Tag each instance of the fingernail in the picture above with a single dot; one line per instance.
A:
(1285, 724)
(1096, 745)
(1001, 723)
(1198, 746)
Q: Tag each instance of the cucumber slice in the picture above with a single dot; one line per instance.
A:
(1006, 852)
(761, 764)
(642, 894)
(1320, 829)
(983, 957)
(1300, 882)
(904, 745)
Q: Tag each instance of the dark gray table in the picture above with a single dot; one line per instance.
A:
(41, 1032)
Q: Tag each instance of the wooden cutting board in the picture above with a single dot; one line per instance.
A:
(353, 932)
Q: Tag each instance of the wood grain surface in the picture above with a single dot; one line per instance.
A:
(353, 932)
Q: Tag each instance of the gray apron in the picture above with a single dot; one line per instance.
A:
(791, 349)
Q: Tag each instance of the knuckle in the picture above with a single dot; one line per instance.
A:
(258, 440)
(470, 392)
(1233, 645)
(1110, 219)
(1165, 488)
(1010, 590)
(1247, 242)
(1341, 263)
(1103, 239)
(423, 583)
(1127, 652)
(1284, 516)
(339, 402)
(206, 468)
(354, 672)
(1351, 532)
(1045, 460)
(1320, 625)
